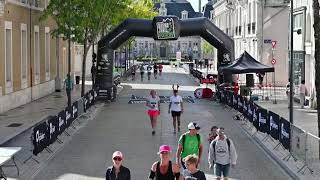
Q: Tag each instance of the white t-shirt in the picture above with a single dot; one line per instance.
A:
(176, 103)
(153, 102)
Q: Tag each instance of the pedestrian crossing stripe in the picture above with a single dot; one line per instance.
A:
(163, 99)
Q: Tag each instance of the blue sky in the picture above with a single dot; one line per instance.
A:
(195, 4)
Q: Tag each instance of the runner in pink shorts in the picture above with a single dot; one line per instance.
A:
(153, 104)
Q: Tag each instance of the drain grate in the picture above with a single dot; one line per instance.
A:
(14, 125)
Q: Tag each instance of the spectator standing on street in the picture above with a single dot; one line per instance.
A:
(176, 108)
(117, 171)
(189, 143)
(222, 153)
(192, 172)
(153, 104)
(93, 74)
(160, 69)
(141, 71)
(133, 72)
(164, 169)
(155, 70)
(303, 93)
(149, 68)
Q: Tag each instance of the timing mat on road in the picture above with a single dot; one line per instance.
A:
(163, 99)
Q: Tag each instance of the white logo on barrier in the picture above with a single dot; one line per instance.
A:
(262, 120)
(85, 103)
(39, 136)
(273, 124)
(165, 29)
(90, 98)
(68, 115)
(61, 122)
(226, 58)
(74, 111)
(52, 129)
(284, 133)
(254, 114)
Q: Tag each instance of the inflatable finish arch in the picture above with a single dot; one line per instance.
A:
(160, 28)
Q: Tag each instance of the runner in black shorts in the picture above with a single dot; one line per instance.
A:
(141, 72)
(176, 108)
(149, 68)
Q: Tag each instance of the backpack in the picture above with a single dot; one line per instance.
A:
(184, 140)
(214, 147)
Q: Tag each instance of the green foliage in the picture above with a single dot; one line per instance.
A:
(207, 48)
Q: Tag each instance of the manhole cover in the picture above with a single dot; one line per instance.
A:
(14, 125)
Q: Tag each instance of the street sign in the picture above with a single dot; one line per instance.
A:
(267, 41)
(274, 43)
(273, 61)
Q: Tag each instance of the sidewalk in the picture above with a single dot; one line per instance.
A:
(19, 120)
(304, 118)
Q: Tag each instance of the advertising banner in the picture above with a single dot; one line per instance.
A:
(274, 127)
(262, 118)
(235, 101)
(298, 142)
(62, 122)
(39, 137)
(75, 110)
(250, 111)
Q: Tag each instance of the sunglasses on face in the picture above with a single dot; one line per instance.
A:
(117, 158)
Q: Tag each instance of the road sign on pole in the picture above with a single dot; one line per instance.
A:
(274, 43)
(273, 61)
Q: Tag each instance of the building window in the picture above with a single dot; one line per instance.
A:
(211, 15)
(47, 53)
(24, 56)
(8, 57)
(298, 21)
(249, 28)
(36, 55)
(253, 28)
(184, 15)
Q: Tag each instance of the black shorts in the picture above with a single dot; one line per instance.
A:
(155, 72)
(176, 113)
(149, 73)
(141, 73)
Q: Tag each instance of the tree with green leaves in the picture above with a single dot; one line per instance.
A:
(316, 26)
(83, 21)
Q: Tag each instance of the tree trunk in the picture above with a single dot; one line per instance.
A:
(84, 60)
(316, 27)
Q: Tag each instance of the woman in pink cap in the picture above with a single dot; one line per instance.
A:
(117, 171)
(153, 104)
(164, 169)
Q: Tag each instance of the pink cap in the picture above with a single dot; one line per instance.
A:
(117, 154)
(164, 148)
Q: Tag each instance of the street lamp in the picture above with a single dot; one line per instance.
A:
(291, 64)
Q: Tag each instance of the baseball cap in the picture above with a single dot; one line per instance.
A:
(193, 125)
(164, 148)
(117, 154)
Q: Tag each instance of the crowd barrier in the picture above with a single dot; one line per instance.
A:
(48, 130)
(300, 144)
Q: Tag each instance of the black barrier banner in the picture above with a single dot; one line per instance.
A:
(229, 99)
(250, 111)
(285, 133)
(255, 120)
(274, 121)
(75, 110)
(62, 122)
(240, 103)
(39, 137)
(235, 101)
(245, 107)
(223, 96)
(262, 118)
(53, 125)
(86, 102)
(68, 119)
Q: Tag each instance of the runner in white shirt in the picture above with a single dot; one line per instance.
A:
(153, 104)
(176, 109)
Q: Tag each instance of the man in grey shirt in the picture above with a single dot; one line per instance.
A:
(222, 154)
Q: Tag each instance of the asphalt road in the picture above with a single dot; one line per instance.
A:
(126, 127)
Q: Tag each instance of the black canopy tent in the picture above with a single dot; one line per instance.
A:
(245, 64)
